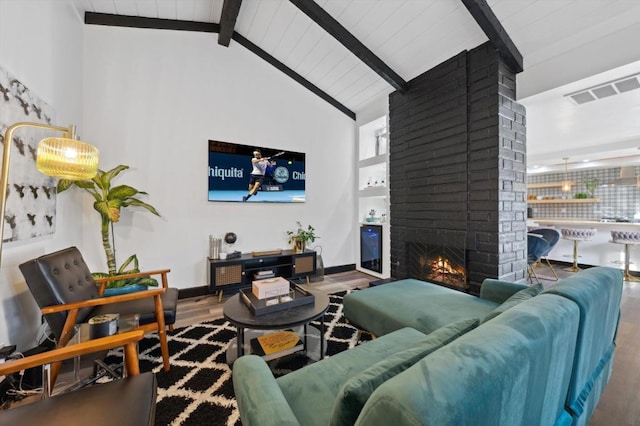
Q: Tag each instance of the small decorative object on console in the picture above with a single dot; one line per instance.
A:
(300, 237)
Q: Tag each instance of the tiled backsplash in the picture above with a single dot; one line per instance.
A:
(615, 200)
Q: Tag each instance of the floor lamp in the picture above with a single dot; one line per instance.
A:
(62, 157)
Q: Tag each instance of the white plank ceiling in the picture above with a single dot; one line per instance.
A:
(410, 36)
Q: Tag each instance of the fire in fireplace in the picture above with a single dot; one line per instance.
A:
(438, 264)
(444, 270)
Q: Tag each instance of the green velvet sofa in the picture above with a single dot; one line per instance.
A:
(511, 357)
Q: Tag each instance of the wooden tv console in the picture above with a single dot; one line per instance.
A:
(234, 274)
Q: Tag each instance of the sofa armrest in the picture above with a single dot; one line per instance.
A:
(259, 397)
(499, 291)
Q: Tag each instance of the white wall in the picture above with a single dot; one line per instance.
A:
(41, 45)
(152, 100)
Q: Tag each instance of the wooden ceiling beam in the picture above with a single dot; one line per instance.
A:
(348, 40)
(152, 23)
(230, 11)
(490, 24)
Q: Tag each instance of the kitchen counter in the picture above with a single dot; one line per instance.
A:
(599, 251)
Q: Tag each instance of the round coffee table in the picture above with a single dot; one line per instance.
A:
(239, 314)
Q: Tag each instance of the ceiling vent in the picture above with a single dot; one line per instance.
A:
(611, 88)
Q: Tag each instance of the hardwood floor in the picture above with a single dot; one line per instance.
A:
(620, 402)
(204, 308)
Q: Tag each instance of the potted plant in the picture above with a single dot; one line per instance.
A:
(108, 203)
(591, 185)
(301, 236)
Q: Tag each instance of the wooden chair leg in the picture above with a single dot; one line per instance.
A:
(67, 332)
(162, 334)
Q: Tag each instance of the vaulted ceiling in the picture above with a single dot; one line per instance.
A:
(408, 36)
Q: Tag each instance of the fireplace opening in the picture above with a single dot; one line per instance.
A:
(444, 270)
(441, 265)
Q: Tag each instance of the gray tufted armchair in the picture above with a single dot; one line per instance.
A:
(67, 294)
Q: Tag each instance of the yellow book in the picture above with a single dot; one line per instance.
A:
(277, 342)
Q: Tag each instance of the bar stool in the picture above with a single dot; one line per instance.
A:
(628, 239)
(576, 235)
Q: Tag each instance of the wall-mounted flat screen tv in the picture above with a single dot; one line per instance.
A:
(245, 173)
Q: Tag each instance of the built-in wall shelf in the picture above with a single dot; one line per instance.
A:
(548, 185)
(565, 201)
(374, 191)
(372, 161)
(373, 198)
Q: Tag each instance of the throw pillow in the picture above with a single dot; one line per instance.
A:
(518, 297)
(355, 392)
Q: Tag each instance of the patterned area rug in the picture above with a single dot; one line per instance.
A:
(198, 390)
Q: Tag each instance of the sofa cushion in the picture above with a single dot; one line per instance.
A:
(499, 291)
(513, 370)
(355, 392)
(319, 383)
(517, 298)
(411, 303)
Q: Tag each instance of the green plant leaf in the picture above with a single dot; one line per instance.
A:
(109, 209)
(139, 203)
(107, 176)
(64, 184)
(121, 192)
(133, 258)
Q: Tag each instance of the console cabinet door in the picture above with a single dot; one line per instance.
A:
(304, 264)
(225, 274)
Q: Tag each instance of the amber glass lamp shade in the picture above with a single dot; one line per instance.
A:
(67, 159)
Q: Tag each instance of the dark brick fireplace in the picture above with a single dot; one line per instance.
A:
(458, 172)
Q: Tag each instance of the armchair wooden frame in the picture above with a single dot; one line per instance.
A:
(55, 356)
(73, 308)
(102, 282)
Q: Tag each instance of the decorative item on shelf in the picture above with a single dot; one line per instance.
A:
(566, 184)
(300, 237)
(591, 185)
(371, 218)
(108, 203)
(65, 158)
(581, 195)
(215, 247)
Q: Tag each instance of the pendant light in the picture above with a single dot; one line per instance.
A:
(566, 184)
